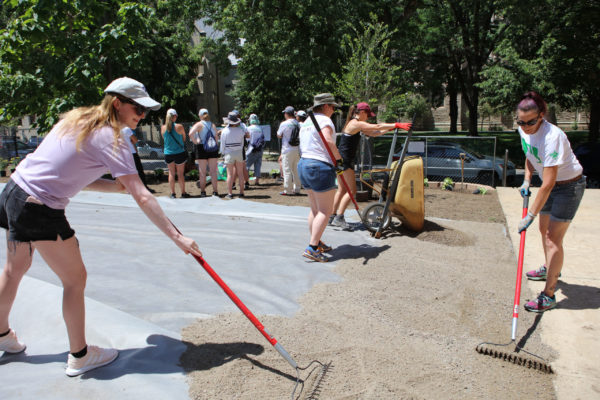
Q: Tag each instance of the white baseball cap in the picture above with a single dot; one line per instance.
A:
(171, 111)
(134, 90)
(202, 112)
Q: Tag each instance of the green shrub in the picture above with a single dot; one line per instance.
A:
(447, 184)
(193, 174)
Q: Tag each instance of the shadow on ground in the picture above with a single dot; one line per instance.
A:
(579, 297)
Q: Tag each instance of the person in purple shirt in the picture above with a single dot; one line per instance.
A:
(84, 145)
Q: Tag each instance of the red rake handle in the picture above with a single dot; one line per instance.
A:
(519, 273)
(243, 308)
(333, 160)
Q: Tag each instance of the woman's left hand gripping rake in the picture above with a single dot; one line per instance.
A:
(497, 350)
(319, 367)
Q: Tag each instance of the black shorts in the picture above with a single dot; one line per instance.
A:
(28, 221)
(203, 155)
(179, 158)
(348, 159)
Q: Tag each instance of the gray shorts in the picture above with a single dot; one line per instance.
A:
(27, 220)
(563, 202)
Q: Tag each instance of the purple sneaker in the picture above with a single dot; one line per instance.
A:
(541, 304)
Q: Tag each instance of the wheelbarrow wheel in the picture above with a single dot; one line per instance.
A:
(373, 217)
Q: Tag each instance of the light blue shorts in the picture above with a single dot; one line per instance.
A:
(563, 202)
(316, 175)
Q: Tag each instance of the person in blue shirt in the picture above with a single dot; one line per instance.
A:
(175, 155)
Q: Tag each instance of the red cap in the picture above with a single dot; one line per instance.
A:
(365, 107)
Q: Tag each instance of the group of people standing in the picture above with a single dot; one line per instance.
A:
(88, 141)
(235, 142)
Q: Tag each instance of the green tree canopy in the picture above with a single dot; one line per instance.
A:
(368, 74)
(56, 55)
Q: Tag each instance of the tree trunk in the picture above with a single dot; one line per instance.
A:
(453, 95)
(472, 104)
(594, 126)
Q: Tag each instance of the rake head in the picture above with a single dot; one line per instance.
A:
(529, 361)
(313, 381)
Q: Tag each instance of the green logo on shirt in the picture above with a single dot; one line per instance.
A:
(533, 150)
(554, 155)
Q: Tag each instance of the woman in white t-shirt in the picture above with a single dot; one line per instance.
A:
(74, 155)
(317, 172)
(232, 147)
(548, 152)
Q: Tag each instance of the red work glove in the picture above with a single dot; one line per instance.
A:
(403, 125)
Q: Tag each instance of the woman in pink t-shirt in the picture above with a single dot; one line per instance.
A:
(75, 154)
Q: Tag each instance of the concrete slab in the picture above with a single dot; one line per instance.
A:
(573, 328)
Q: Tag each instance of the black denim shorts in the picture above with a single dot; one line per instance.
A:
(27, 220)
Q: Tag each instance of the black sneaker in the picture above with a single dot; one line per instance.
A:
(185, 195)
(215, 194)
(172, 195)
(202, 194)
(246, 186)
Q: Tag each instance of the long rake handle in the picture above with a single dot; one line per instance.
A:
(316, 124)
(519, 273)
(243, 308)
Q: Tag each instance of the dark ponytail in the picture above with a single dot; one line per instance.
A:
(532, 101)
(351, 113)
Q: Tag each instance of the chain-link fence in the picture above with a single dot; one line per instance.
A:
(462, 159)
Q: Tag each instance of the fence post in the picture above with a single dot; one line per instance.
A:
(505, 167)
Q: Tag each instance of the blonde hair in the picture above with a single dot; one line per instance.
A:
(169, 121)
(82, 121)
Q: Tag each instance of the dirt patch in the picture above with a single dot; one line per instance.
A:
(403, 322)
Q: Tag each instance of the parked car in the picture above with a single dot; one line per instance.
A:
(8, 151)
(35, 141)
(443, 159)
(149, 149)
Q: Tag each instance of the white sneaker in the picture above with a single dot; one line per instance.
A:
(96, 357)
(10, 343)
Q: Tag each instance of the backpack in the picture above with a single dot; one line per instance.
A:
(295, 136)
(258, 143)
(209, 143)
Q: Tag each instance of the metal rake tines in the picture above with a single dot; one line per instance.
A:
(316, 382)
(513, 357)
(314, 394)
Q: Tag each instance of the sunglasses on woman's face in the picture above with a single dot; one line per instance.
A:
(139, 110)
(531, 122)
